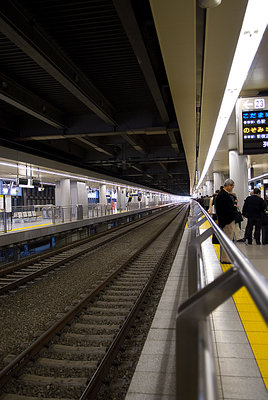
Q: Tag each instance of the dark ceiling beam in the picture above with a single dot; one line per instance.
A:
(127, 16)
(136, 168)
(7, 122)
(95, 146)
(53, 136)
(163, 166)
(142, 161)
(135, 143)
(117, 132)
(173, 140)
(23, 99)
(26, 35)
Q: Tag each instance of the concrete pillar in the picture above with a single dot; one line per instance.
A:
(74, 192)
(62, 193)
(124, 199)
(121, 199)
(103, 199)
(209, 188)
(218, 179)
(238, 167)
(82, 197)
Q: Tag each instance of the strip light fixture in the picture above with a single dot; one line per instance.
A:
(253, 28)
(80, 178)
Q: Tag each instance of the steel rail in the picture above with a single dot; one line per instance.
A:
(95, 382)
(40, 257)
(54, 265)
(22, 359)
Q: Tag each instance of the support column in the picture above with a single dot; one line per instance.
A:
(218, 179)
(103, 199)
(238, 167)
(121, 199)
(209, 188)
(62, 193)
(73, 192)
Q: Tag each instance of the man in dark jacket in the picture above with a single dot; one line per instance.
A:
(226, 212)
(254, 209)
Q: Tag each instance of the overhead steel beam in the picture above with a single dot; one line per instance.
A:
(7, 123)
(147, 160)
(163, 166)
(66, 135)
(134, 167)
(173, 140)
(26, 35)
(127, 16)
(95, 146)
(16, 95)
(135, 143)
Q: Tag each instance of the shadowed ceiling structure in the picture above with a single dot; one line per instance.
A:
(83, 82)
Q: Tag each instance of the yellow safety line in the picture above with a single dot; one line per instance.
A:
(255, 327)
(29, 227)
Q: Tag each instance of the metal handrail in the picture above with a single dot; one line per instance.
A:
(194, 382)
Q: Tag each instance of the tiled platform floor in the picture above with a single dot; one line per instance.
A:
(237, 371)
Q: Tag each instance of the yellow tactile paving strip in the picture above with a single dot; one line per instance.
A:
(255, 327)
(30, 227)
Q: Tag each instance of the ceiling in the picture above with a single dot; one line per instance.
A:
(198, 60)
(129, 89)
(83, 82)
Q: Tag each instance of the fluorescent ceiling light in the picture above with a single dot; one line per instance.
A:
(258, 177)
(253, 27)
(61, 174)
(28, 185)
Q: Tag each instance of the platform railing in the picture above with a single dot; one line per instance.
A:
(195, 369)
(24, 217)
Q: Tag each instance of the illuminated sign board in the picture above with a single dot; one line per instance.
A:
(255, 131)
(253, 118)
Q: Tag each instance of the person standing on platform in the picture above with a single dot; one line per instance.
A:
(254, 209)
(212, 207)
(238, 220)
(226, 212)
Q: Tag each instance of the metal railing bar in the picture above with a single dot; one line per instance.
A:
(203, 302)
(190, 313)
(194, 353)
(207, 384)
(253, 280)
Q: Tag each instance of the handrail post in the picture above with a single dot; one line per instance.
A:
(195, 375)
(190, 314)
(194, 254)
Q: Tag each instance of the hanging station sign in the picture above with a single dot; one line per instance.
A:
(253, 125)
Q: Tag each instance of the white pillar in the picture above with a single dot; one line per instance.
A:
(102, 198)
(238, 167)
(218, 179)
(209, 188)
(82, 197)
(74, 192)
(62, 193)
(121, 198)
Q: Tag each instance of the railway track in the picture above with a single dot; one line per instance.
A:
(18, 275)
(70, 360)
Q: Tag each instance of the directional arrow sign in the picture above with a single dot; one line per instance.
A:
(247, 104)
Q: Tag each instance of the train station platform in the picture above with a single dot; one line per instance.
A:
(239, 334)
